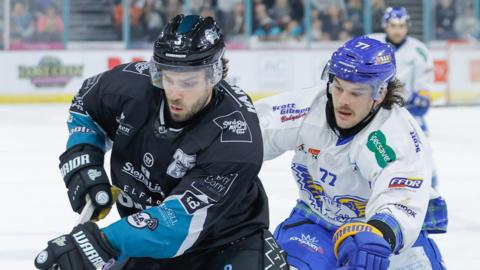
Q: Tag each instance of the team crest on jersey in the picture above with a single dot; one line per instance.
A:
(338, 208)
(377, 143)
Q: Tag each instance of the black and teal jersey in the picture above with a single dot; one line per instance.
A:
(185, 187)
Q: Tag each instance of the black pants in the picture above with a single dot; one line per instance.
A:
(256, 252)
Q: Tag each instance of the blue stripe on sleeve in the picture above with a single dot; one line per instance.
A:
(158, 232)
(83, 129)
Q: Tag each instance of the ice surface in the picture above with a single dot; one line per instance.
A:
(35, 209)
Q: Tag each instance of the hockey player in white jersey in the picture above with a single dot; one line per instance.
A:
(362, 165)
(414, 64)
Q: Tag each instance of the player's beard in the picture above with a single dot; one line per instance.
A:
(192, 110)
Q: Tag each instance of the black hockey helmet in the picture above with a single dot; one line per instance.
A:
(188, 43)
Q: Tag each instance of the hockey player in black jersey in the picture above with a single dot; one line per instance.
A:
(186, 152)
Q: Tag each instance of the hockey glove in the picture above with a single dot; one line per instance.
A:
(419, 103)
(82, 170)
(85, 248)
(360, 246)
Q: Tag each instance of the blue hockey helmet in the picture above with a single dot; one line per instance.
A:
(363, 60)
(398, 14)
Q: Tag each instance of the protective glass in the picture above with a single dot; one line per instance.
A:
(213, 72)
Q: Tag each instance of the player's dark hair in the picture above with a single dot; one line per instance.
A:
(224, 67)
(393, 96)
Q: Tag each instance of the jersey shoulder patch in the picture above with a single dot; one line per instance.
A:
(234, 128)
(140, 68)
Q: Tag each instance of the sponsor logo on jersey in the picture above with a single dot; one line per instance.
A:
(81, 130)
(309, 242)
(191, 202)
(416, 140)
(402, 182)
(314, 152)
(143, 220)
(126, 194)
(74, 163)
(50, 72)
(123, 127)
(234, 128)
(215, 186)
(181, 163)
(88, 249)
(143, 177)
(169, 217)
(344, 208)
(289, 112)
(377, 143)
(148, 159)
(405, 209)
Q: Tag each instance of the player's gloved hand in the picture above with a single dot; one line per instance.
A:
(85, 248)
(82, 170)
(360, 246)
(419, 103)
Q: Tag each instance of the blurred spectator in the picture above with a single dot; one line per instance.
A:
(317, 34)
(232, 22)
(445, 18)
(49, 26)
(334, 24)
(152, 20)
(378, 7)
(21, 23)
(136, 9)
(293, 30)
(467, 26)
(355, 18)
(171, 9)
(265, 27)
(323, 5)
(280, 12)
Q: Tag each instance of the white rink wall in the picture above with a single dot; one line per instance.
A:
(59, 74)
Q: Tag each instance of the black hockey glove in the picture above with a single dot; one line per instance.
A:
(82, 170)
(85, 248)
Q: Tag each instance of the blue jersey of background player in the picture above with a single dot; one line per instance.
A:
(186, 153)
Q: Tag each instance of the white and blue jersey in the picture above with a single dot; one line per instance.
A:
(383, 172)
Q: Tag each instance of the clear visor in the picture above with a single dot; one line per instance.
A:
(363, 85)
(185, 77)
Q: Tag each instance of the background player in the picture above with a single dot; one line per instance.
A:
(186, 153)
(414, 64)
(362, 165)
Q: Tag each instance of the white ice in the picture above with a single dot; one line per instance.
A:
(35, 209)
